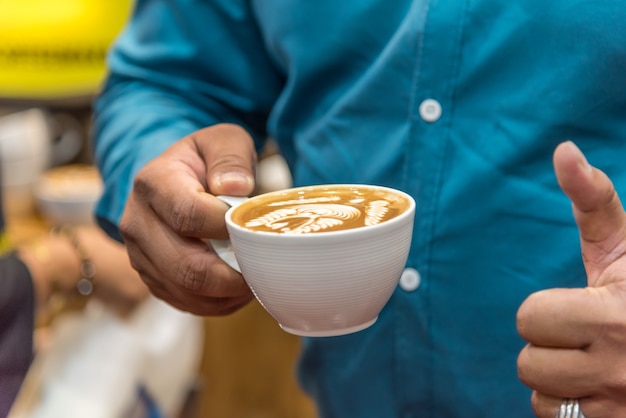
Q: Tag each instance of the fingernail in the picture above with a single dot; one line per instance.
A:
(583, 160)
(234, 178)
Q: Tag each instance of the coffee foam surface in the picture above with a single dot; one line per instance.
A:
(319, 209)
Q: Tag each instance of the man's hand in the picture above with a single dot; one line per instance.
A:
(577, 337)
(172, 209)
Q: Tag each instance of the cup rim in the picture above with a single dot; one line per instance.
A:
(410, 211)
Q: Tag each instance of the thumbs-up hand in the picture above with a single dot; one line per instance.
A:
(577, 337)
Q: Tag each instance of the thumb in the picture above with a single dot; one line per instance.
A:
(597, 209)
(230, 158)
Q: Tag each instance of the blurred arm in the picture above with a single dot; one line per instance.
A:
(177, 67)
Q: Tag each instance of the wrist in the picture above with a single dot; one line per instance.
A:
(58, 264)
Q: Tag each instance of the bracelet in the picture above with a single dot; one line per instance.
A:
(84, 286)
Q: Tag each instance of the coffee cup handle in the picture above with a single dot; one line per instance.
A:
(223, 248)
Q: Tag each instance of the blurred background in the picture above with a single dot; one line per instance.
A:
(90, 361)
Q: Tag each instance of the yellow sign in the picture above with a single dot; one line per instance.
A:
(56, 49)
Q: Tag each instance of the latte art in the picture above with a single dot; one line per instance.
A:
(376, 212)
(319, 209)
(303, 219)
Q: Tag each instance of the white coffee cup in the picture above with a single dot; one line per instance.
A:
(32, 141)
(315, 279)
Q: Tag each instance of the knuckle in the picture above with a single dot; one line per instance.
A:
(191, 274)
(186, 216)
(524, 315)
(535, 403)
(143, 184)
(230, 162)
(129, 229)
(139, 268)
(521, 365)
(521, 321)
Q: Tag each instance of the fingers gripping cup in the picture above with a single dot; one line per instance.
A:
(322, 260)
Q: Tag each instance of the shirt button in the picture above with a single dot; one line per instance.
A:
(430, 110)
(410, 280)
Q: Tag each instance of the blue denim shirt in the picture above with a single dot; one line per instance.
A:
(459, 103)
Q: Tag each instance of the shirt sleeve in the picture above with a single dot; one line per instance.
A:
(178, 66)
(17, 322)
